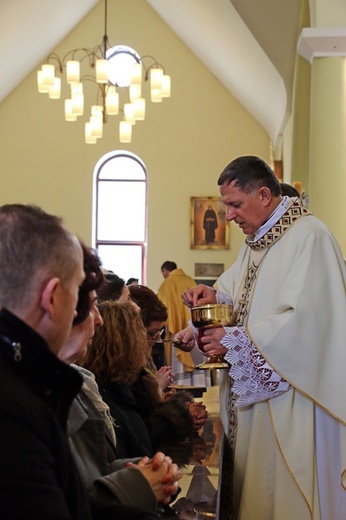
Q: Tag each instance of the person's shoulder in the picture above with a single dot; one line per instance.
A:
(190, 283)
(310, 224)
(310, 234)
(162, 286)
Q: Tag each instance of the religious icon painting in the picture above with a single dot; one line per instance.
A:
(209, 229)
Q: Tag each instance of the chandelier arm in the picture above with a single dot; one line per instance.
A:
(53, 56)
(102, 88)
(88, 53)
(88, 77)
(154, 65)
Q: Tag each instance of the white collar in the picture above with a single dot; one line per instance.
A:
(280, 209)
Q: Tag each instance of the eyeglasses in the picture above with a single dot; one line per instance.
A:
(155, 334)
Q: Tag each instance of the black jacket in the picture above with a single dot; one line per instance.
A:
(133, 438)
(142, 428)
(38, 476)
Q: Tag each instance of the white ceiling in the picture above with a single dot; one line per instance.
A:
(250, 46)
(29, 30)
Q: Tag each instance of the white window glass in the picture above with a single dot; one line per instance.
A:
(119, 206)
(120, 62)
(125, 261)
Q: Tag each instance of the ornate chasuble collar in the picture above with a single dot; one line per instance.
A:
(287, 220)
(259, 250)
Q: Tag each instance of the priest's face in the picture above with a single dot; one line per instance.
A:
(249, 211)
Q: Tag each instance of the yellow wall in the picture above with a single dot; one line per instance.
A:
(301, 112)
(185, 142)
(328, 136)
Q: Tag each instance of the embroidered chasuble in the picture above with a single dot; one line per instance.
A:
(294, 312)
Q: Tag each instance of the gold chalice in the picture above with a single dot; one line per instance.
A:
(208, 317)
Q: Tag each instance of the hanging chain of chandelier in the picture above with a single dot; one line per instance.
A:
(115, 68)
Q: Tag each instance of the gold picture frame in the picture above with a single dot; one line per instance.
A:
(209, 229)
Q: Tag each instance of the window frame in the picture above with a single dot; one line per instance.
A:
(96, 180)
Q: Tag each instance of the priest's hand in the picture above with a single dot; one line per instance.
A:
(211, 341)
(200, 295)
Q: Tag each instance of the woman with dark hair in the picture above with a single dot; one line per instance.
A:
(118, 358)
(90, 427)
(114, 288)
(154, 314)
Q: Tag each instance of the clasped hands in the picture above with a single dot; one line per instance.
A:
(162, 475)
(198, 412)
(165, 376)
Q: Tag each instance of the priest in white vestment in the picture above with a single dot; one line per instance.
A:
(283, 402)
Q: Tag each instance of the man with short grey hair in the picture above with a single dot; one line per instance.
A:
(41, 271)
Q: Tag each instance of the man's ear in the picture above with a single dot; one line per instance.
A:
(265, 195)
(48, 296)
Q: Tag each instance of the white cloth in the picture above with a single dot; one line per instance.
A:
(297, 323)
(254, 379)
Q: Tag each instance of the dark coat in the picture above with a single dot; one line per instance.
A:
(38, 475)
(133, 439)
(143, 427)
(95, 453)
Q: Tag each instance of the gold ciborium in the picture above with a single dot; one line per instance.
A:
(208, 317)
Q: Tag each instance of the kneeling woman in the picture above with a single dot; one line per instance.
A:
(118, 357)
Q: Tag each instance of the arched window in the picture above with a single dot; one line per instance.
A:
(120, 214)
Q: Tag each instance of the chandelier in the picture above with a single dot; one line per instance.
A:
(115, 68)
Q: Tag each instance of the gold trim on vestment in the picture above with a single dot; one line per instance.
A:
(274, 234)
(294, 385)
(285, 460)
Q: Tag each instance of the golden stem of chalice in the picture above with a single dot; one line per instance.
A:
(208, 317)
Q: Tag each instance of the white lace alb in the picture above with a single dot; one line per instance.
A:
(223, 298)
(254, 379)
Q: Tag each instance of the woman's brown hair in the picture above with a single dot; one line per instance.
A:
(119, 349)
